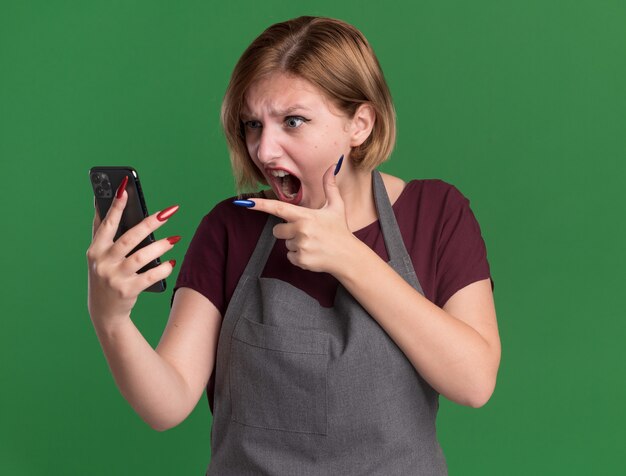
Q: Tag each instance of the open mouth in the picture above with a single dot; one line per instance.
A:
(287, 186)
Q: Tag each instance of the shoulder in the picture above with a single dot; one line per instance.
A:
(435, 190)
(442, 236)
(433, 197)
(431, 190)
(226, 227)
(226, 215)
(432, 210)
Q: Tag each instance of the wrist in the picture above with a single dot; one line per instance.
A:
(109, 326)
(351, 261)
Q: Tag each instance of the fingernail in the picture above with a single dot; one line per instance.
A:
(174, 239)
(121, 188)
(168, 212)
(244, 203)
(339, 164)
(172, 262)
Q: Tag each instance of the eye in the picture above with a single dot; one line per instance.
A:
(293, 122)
(252, 124)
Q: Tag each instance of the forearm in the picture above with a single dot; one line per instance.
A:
(152, 386)
(449, 354)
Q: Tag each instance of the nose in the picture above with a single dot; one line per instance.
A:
(269, 147)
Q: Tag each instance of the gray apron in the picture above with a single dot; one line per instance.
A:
(302, 389)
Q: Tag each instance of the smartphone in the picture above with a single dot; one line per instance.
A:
(105, 181)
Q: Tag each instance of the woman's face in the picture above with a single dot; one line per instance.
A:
(294, 134)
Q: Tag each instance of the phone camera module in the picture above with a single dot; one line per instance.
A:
(101, 185)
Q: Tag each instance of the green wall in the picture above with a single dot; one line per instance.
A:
(520, 104)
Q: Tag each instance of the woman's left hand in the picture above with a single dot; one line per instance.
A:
(316, 239)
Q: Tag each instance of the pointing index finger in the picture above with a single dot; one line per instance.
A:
(283, 210)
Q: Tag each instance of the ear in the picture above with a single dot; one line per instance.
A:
(362, 124)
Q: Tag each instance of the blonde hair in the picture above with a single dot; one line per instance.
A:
(332, 55)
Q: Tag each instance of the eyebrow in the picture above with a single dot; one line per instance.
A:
(278, 112)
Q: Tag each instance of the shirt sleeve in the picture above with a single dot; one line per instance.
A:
(204, 265)
(461, 250)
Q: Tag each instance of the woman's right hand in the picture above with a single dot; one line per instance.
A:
(114, 283)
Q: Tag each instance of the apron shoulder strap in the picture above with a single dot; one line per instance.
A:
(391, 231)
(388, 223)
(264, 246)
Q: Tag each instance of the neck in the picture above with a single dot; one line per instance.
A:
(356, 191)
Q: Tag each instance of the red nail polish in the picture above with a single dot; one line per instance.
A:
(168, 212)
(174, 239)
(172, 262)
(121, 188)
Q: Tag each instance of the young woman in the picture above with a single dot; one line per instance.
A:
(325, 314)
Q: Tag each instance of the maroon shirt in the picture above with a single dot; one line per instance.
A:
(437, 225)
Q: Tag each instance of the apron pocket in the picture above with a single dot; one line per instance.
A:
(278, 377)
